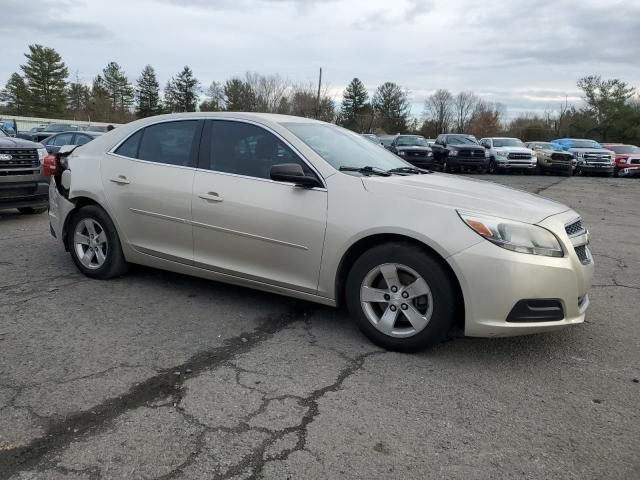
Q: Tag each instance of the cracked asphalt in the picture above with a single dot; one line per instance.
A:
(158, 375)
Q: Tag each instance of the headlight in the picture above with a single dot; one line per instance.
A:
(429, 154)
(486, 154)
(514, 236)
(400, 152)
(502, 154)
(42, 152)
(453, 153)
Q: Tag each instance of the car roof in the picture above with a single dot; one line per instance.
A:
(504, 138)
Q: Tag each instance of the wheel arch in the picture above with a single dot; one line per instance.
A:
(373, 240)
(78, 202)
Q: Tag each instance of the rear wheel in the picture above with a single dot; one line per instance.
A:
(32, 210)
(94, 244)
(400, 297)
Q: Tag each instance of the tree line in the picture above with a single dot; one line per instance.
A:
(43, 88)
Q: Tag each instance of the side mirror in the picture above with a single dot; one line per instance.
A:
(293, 173)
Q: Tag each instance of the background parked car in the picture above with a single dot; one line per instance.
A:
(414, 149)
(50, 130)
(387, 140)
(453, 152)
(591, 157)
(98, 128)
(627, 156)
(9, 126)
(552, 159)
(54, 142)
(509, 154)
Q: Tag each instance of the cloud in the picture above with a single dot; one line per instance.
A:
(51, 16)
(381, 18)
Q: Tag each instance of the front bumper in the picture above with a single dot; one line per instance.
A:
(516, 164)
(462, 162)
(24, 194)
(556, 167)
(494, 280)
(629, 172)
(596, 168)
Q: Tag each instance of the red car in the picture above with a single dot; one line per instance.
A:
(627, 158)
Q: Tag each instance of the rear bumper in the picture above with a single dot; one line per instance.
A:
(24, 194)
(59, 209)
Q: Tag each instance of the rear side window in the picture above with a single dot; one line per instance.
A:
(61, 140)
(130, 146)
(168, 142)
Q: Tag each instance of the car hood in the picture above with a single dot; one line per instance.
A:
(465, 145)
(15, 142)
(590, 150)
(467, 194)
(513, 149)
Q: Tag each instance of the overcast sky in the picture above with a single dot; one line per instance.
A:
(525, 54)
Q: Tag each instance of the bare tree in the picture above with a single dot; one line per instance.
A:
(269, 90)
(486, 120)
(439, 110)
(463, 105)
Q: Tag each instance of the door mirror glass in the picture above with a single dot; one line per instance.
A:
(292, 172)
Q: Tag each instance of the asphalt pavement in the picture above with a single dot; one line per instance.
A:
(159, 375)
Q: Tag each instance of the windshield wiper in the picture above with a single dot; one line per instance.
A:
(368, 170)
(418, 171)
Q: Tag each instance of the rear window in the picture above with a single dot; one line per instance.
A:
(130, 146)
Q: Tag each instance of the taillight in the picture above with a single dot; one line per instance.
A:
(50, 164)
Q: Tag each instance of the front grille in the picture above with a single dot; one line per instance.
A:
(582, 253)
(23, 162)
(561, 157)
(416, 154)
(634, 161)
(471, 153)
(596, 157)
(574, 228)
(519, 156)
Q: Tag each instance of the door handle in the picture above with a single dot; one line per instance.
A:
(210, 197)
(120, 180)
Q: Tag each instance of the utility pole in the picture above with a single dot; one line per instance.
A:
(318, 98)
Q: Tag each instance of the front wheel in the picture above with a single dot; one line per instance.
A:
(400, 297)
(94, 244)
(493, 168)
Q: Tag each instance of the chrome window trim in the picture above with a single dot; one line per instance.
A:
(259, 179)
(232, 119)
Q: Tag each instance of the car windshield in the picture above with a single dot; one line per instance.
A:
(411, 141)
(585, 144)
(624, 149)
(461, 140)
(386, 141)
(343, 148)
(507, 142)
(548, 145)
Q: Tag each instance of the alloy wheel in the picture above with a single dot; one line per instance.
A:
(396, 300)
(90, 243)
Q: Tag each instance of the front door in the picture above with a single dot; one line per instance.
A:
(246, 224)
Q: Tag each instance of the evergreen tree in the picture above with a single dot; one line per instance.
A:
(78, 99)
(118, 88)
(239, 97)
(45, 75)
(15, 95)
(147, 93)
(100, 103)
(353, 112)
(392, 107)
(186, 90)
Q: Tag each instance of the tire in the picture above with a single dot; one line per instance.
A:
(616, 172)
(432, 312)
(445, 166)
(95, 232)
(493, 167)
(32, 210)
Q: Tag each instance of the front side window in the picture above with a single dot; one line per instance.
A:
(246, 149)
(169, 142)
(61, 140)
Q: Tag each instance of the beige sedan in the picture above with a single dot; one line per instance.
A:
(308, 209)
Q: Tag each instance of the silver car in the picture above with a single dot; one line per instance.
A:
(310, 210)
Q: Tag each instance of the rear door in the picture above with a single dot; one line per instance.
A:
(148, 182)
(246, 224)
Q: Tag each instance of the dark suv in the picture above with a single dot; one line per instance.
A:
(22, 182)
(414, 149)
(453, 152)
